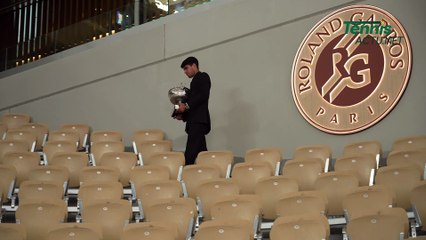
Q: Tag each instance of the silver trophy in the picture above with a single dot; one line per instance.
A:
(178, 95)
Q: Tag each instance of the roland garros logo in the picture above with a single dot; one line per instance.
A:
(351, 69)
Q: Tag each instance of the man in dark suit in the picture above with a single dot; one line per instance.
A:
(195, 112)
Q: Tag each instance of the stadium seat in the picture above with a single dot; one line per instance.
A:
(98, 174)
(23, 163)
(304, 171)
(302, 203)
(97, 149)
(418, 203)
(174, 161)
(22, 135)
(83, 131)
(12, 146)
(54, 147)
(15, 120)
(150, 231)
(224, 230)
(12, 231)
(41, 131)
(147, 148)
(248, 174)
(80, 231)
(322, 152)
(74, 162)
(300, 227)
(223, 159)
(409, 143)
(123, 161)
(360, 147)
(363, 164)
(194, 175)
(270, 155)
(64, 135)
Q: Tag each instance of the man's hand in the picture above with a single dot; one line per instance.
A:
(182, 108)
(178, 117)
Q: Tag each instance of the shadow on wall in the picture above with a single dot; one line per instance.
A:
(242, 124)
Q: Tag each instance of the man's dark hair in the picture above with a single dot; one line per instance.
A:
(189, 61)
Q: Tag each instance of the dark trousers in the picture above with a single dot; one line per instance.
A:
(196, 141)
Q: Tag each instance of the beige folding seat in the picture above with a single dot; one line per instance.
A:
(174, 161)
(363, 164)
(15, 120)
(23, 162)
(304, 171)
(64, 135)
(143, 135)
(58, 174)
(242, 207)
(300, 227)
(41, 131)
(3, 130)
(366, 199)
(210, 191)
(408, 157)
(150, 193)
(144, 174)
(111, 215)
(80, 231)
(179, 211)
(7, 182)
(224, 230)
(106, 136)
(150, 231)
(123, 161)
(12, 231)
(193, 175)
(247, 174)
(302, 203)
(223, 159)
(400, 179)
(40, 190)
(51, 148)
(83, 131)
(385, 224)
(322, 152)
(409, 143)
(416, 238)
(12, 146)
(418, 203)
(22, 135)
(74, 162)
(336, 185)
(98, 174)
(37, 216)
(147, 148)
(97, 149)
(271, 155)
(93, 191)
(361, 147)
(270, 190)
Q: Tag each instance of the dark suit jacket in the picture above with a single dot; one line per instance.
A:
(198, 101)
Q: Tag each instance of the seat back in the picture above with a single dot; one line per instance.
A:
(147, 148)
(366, 199)
(12, 231)
(98, 174)
(123, 161)
(336, 185)
(362, 147)
(210, 191)
(37, 216)
(41, 131)
(7, 182)
(74, 162)
(83, 131)
(15, 120)
(322, 152)
(224, 229)
(80, 231)
(7, 146)
(304, 171)
(143, 135)
(363, 164)
(300, 227)
(52, 173)
(271, 155)
(418, 203)
(174, 161)
(385, 224)
(22, 135)
(23, 163)
(41, 190)
(193, 175)
(97, 149)
(51, 148)
(90, 192)
(409, 143)
(111, 215)
(270, 190)
(408, 157)
(64, 135)
(106, 136)
(150, 231)
(302, 203)
(145, 174)
(179, 211)
(401, 179)
(247, 174)
(223, 159)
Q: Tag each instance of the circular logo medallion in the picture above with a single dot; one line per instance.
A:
(351, 69)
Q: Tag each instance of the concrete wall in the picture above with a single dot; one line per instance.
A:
(247, 47)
